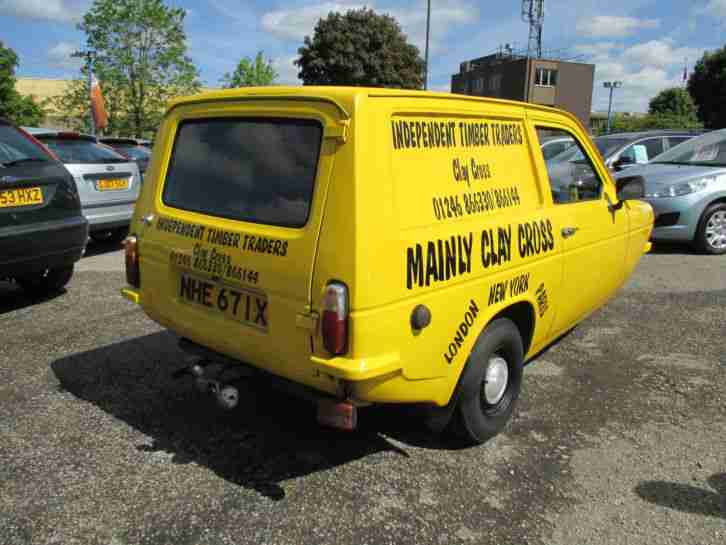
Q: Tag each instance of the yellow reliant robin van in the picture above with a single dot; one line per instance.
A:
(368, 246)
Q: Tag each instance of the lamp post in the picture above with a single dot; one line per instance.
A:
(612, 85)
(428, 28)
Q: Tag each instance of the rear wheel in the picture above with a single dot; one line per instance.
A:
(490, 384)
(113, 236)
(47, 282)
(711, 233)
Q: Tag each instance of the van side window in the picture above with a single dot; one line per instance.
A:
(571, 174)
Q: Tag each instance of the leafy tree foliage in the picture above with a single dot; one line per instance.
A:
(21, 110)
(360, 48)
(707, 86)
(251, 73)
(140, 59)
(629, 123)
(673, 101)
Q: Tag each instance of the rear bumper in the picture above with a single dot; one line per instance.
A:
(109, 216)
(30, 248)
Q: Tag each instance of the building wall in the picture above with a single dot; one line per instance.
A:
(572, 91)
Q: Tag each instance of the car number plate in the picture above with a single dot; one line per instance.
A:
(245, 306)
(21, 197)
(113, 184)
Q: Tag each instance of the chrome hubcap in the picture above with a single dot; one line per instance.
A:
(495, 380)
(716, 230)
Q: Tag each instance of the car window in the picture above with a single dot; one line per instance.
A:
(654, 146)
(14, 146)
(248, 169)
(552, 149)
(81, 151)
(706, 150)
(673, 141)
(573, 180)
(135, 152)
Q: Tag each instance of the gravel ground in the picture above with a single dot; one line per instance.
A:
(620, 435)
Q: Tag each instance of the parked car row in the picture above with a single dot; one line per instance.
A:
(57, 188)
(684, 173)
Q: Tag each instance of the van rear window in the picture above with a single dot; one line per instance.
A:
(259, 170)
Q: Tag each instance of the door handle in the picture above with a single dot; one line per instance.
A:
(567, 232)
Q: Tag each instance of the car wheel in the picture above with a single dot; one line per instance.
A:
(491, 382)
(711, 233)
(47, 282)
(113, 236)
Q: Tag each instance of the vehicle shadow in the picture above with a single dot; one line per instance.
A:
(101, 247)
(12, 298)
(266, 440)
(687, 498)
(668, 248)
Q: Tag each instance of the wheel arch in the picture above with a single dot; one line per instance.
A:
(523, 315)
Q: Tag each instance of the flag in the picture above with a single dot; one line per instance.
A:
(98, 108)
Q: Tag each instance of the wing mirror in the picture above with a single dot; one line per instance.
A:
(623, 162)
(628, 188)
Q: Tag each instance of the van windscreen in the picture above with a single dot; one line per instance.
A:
(259, 170)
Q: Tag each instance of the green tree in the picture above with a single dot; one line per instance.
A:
(673, 101)
(707, 86)
(631, 123)
(140, 59)
(251, 73)
(21, 110)
(360, 48)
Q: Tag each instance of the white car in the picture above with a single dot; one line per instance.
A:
(108, 183)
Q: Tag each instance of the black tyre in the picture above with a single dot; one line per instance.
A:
(47, 282)
(490, 383)
(711, 232)
(113, 236)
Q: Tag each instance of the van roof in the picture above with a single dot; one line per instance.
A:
(345, 97)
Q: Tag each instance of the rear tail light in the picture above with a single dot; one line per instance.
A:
(133, 277)
(335, 318)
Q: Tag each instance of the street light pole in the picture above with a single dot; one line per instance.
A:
(612, 85)
(428, 29)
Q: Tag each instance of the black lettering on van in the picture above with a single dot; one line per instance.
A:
(463, 330)
(535, 238)
(496, 249)
(444, 259)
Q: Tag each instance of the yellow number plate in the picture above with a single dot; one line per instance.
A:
(245, 306)
(114, 184)
(21, 197)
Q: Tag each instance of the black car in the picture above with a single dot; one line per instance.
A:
(42, 230)
(133, 148)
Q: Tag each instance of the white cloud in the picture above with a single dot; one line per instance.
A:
(645, 69)
(59, 56)
(717, 8)
(286, 70)
(661, 54)
(65, 11)
(295, 24)
(609, 26)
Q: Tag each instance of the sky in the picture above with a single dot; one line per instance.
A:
(643, 43)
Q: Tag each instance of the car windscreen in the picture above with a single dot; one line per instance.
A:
(706, 150)
(135, 152)
(81, 151)
(259, 170)
(608, 145)
(16, 148)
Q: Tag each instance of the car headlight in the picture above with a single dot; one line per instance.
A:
(679, 189)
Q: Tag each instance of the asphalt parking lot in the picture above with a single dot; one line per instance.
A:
(620, 436)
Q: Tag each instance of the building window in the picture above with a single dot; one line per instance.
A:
(545, 77)
(495, 83)
(478, 85)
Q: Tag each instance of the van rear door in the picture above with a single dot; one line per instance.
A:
(227, 255)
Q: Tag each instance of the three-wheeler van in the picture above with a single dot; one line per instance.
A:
(374, 246)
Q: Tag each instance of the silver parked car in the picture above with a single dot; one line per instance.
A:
(108, 183)
(686, 186)
(627, 149)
